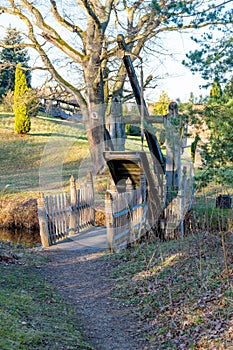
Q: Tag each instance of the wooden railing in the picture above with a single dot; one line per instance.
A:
(82, 205)
(60, 216)
(125, 216)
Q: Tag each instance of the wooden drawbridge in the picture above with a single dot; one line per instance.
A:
(162, 175)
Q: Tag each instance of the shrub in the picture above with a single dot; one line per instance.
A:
(33, 104)
(22, 119)
(8, 101)
(133, 130)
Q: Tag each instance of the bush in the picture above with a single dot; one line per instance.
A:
(8, 101)
(133, 130)
(33, 104)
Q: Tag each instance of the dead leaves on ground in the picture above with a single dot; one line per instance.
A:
(184, 298)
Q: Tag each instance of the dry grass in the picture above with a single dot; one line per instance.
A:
(181, 291)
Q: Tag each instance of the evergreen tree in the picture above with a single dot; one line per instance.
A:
(217, 153)
(9, 58)
(214, 58)
(22, 119)
(228, 91)
(161, 107)
(215, 92)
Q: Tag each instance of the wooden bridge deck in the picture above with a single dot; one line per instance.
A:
(94, 238)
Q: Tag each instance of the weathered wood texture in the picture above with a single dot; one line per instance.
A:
(133, 164)
(60, 216)
(82, 209)
(57, 210)
(125, 216)
(173, 152)
(179, 205)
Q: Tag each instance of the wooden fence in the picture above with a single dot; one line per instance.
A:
(60, 216)
(125, 216)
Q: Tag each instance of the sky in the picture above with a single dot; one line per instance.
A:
(178, 81)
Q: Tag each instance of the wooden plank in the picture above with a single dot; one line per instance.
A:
(124, 217)
(109, 220)
(120, 160)
(59, 216)
(62, 215)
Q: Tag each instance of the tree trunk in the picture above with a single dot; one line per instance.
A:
(94, 113)
(95, 135)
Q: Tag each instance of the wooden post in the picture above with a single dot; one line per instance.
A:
(173, 152)
(116, 125)
(143, 186)
(129, 185)
(129, 190)
(183, 200)
(43, 222)
(143, 191)
(73, 201)
(129, 198)
(90, 184)
(109, 221)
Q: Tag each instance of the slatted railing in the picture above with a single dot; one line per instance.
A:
(60, 216)
(58, 213)
(82, 205)
(125, 217)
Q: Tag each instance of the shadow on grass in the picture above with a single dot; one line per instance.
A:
(54, 134)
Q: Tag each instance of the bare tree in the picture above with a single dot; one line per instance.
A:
(79, 36)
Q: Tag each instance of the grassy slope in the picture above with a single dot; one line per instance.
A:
(32, 314)
(21, 154)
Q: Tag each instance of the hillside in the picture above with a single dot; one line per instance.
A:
(52, 147)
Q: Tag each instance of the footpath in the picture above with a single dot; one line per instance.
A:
(80, 272)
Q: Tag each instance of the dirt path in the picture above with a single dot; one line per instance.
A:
(84, 278)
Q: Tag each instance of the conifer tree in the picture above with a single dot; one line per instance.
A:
(217, 153)
(228, 91)
(161, 107)
(22, 119)
(10, 55)
(215, 92)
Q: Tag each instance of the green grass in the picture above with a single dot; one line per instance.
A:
(180, 291)
(32, 314)
(55, 142)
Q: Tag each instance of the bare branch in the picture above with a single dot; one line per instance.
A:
(16, 46)
(47, 62)
(71, 27)
(51, 34)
